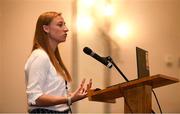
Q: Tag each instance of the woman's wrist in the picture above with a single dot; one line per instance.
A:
(69, 100)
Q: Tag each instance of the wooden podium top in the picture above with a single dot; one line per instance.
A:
(110, 93)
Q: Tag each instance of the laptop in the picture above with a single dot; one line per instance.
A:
(142, 62)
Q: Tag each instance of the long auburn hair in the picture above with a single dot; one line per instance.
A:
(41, 41)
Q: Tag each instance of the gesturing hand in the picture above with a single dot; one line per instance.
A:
(81, 91)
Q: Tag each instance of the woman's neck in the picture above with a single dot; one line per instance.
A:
(53, 44)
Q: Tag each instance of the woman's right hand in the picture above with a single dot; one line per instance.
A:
(81, 92)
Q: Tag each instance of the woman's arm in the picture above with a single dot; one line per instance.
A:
(48, 100)
(80, 93)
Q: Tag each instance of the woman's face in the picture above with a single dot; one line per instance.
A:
(57, 30)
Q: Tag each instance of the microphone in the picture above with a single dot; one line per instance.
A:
(103, 60)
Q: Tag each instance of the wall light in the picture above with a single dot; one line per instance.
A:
(108, 10)
(84, 23)
(87, 3)
(105, 9)
(123, 30)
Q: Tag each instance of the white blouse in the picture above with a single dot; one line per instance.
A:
(42, 78)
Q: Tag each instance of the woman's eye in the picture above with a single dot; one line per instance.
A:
(60, 25)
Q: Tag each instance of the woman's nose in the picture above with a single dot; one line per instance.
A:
(66, 29)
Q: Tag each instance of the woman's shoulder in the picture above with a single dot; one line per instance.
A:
(38, 57)
(39, 53)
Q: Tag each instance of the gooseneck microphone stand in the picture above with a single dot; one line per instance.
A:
(110, 60)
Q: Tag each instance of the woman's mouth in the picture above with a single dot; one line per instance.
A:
(65, 35)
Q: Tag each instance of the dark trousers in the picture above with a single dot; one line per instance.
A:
(47, 111)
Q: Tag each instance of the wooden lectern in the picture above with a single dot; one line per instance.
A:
(136, 93)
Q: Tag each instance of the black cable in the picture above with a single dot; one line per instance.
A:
(67, 92)
(157, 101)
(70, 109)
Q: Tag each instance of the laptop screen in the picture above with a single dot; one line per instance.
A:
(142, 62)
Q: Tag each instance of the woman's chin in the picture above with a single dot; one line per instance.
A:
(62, 40)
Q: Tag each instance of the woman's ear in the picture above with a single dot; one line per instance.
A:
(46, 28)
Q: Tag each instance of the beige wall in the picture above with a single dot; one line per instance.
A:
(156, 28)
(19, 18)
(0, 52)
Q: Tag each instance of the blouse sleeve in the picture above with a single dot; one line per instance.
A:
(36, 73)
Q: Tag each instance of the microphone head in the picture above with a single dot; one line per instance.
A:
(87, 50)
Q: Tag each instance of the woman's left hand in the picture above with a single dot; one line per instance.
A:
(81, 91)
